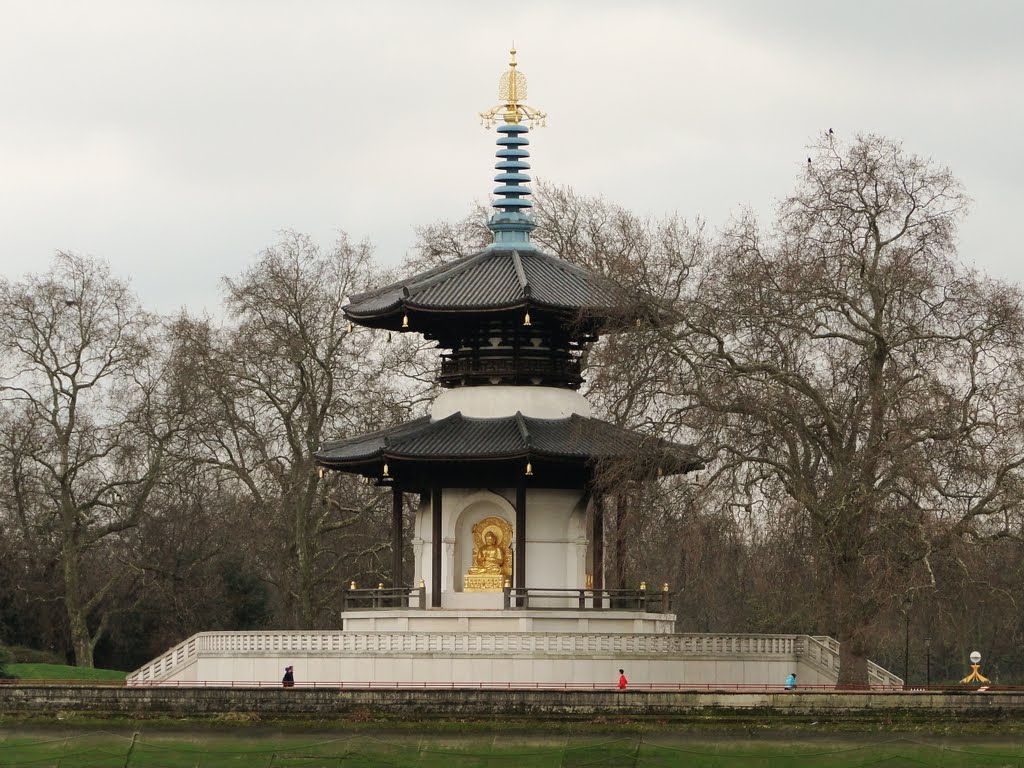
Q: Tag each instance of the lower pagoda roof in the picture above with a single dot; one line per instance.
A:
(562, 452)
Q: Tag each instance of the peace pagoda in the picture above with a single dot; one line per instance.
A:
(508, 547)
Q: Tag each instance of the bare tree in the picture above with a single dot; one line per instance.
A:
(85, 435)
(285, 375)
(865, 379)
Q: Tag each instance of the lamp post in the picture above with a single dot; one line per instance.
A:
(928, 661)
(908, 602)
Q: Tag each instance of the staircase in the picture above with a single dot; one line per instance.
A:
(822, 652)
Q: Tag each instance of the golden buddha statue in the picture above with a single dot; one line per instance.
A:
(489, 558)
(492, 556)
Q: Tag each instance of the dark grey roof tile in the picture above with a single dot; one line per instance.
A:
(490, 280)
(457, 437)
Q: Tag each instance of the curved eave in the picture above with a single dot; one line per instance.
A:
(505, 444)
(427, 319)
(547, 471)
(496, 281)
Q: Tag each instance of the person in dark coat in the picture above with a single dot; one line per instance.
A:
(288, 681)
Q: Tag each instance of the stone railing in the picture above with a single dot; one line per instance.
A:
(162, 666)
(829, 642)
(879, 676)
(503, 643)
(821, 653)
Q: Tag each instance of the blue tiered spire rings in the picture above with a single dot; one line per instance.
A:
(512, 225)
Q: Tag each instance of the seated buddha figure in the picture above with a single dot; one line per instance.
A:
(488, 559)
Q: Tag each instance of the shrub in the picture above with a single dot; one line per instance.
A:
(20, 654)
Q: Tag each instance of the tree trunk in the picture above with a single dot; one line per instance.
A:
(619, 559)
(77, 621)
(851, 623)
(306, 544)
(853, 659)
(304, 557)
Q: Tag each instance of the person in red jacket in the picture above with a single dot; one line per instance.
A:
(623, 682)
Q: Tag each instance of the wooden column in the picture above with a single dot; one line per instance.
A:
(437, 548)
(597, 542)
(396, 536)
(519, 563)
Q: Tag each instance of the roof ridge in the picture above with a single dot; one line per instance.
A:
(517, 262)
(524, 432)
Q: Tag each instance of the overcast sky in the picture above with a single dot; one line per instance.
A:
(176, 138)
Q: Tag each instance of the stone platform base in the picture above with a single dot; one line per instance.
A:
(513, 659)
(498, 621)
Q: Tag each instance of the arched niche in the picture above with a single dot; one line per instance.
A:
(480, 505)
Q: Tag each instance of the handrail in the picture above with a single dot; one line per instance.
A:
(391, 598)
(587, 599)
(384, 598)
(880, 676)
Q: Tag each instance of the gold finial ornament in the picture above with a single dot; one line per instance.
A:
(511, 92)
(975, 676)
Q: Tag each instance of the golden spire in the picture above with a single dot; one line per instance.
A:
(511, 89)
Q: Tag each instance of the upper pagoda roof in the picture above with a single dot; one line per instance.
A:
(511, 274)
(494, 280)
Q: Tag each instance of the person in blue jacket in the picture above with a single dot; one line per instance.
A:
(791, 681)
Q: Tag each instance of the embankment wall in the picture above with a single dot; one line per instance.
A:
(419, 703)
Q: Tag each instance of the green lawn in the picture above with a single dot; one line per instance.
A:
(249, 746)
(60, 672)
